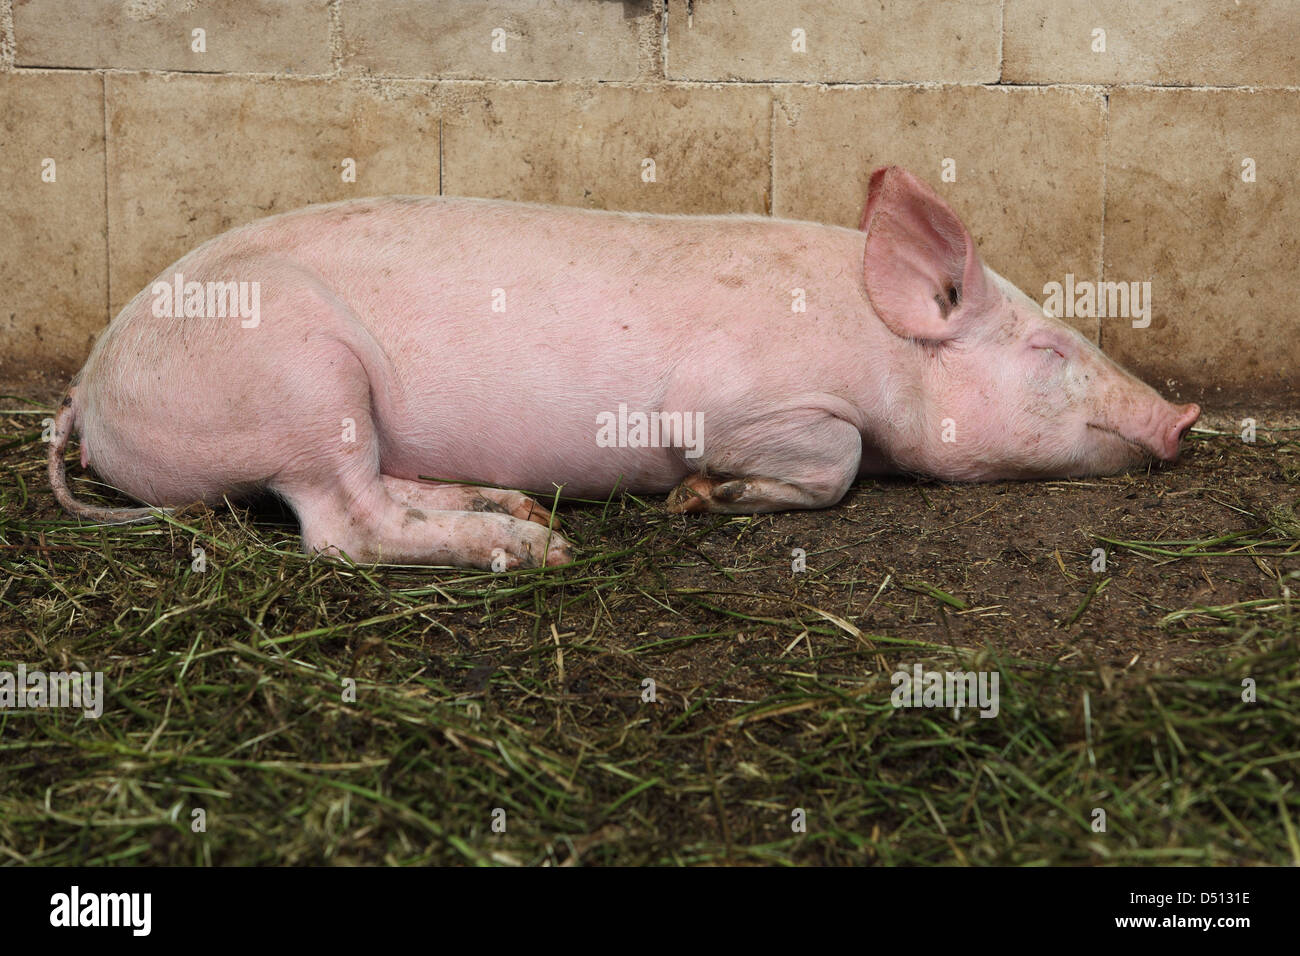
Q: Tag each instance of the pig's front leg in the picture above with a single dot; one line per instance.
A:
(801, 459)
(701, 493)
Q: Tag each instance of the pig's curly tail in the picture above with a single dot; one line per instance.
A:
(64, 419)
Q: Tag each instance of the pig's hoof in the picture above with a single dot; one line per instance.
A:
(516, 505)
(530, 510)
(730, 491)
(528, 552)
(558, 554)
(691, 496)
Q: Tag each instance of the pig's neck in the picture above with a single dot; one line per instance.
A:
(875, 379)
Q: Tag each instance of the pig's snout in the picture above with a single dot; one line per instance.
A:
(1167, 448)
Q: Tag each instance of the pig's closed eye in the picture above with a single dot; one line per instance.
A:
(1049, 350)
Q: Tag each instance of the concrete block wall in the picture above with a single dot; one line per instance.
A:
(1121, 140)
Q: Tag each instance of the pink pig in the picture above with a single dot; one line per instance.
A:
(366, 344)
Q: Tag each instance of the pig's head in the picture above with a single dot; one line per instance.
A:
(1027, 396)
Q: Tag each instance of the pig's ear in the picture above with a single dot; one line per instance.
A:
(923, 276)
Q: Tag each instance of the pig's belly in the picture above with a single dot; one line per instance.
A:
(525, 449)
(517, 403)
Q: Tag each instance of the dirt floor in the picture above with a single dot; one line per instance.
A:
(1018, 556)
(527, 690)
(1012, 562)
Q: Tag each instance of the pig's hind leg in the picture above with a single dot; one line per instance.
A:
(346, 505)
(802, 460)
(452, 497)
(369, 523)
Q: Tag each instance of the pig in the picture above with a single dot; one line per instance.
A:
(374, 344)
